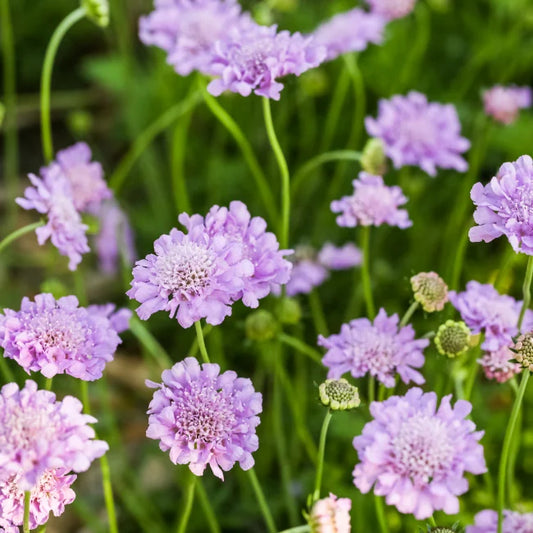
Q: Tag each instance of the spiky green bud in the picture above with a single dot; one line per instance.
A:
(523, 349)
(453, 338)
(339, 395)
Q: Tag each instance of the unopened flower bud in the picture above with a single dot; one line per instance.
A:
(97, 11)
(373, 158)
(339, 395)
(453, 338)
(523, 349)
(261, 326)
(289, 311)
(430, 291)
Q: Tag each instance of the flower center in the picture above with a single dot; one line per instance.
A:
(252, 57)
(375, 350)
(422, 449)
(371, 204)
(522, 204)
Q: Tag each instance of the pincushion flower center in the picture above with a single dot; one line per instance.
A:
(22, 427)
(419, 131)
(186, 269)
(376, 350)
(422, 449)
(82, 184)
(371, 204)
(52, 329)
(522, 204)
(252, 56)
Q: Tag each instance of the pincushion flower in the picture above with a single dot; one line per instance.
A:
(350, 31)
(192, 276)
(498, 365)
(330, 515)
(38, 433)
(503, 103)
(421, 133)
(50, 495)
(339, 257)
(260, 247)
(380, 349)
(253, 59)
(204, 418)
(57, 336)
(487, 522)
(505, 206)
(392, 9)
(371, 204)
(416, 454)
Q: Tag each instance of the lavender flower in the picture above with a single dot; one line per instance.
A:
(204, 417)
(349, 32)
(379, 348)
(372, 204)
(192, 276)
(485, 310)
(392, 9)
(504, 206)
(416, 454)
(498, 365)
(38, 433)
(260, 247)
(487, 522)
(421, 133)
(56, 336)
(331, 515)
(340, 258)
(503, 103)
(253, 59)
(50, 495)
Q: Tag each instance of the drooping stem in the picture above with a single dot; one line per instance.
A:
(201, 341)
(187, 506)
(258, 491)
(26, 519)
(284, 171)
(321, 454)
(6, 241)
(408, 314)
(46, 79)
(365, 272)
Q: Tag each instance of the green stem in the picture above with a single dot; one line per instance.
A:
(201, 341)
(511, 464)
(365, 272)
(371, 389)
(472, 374)
(179, 148)
(380, 513)
(321, 454)
(6, 371)
(526, 291)
(209, 513)
(85, 399)
(143, 140)
(298, 529)
(284, 171)
(350, 62)
(108, 494)
(48, 383)
(408, 314)
(150, 343)
(187, 507)
(317, 312)
(507, 446)
(193, 350)
(432, 521)
(26, 519)
(259, 176)
(6, 241)
(258, 491)
(46, 79)
(301, 346)
(337, 101)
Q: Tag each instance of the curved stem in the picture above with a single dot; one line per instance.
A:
(259, 176)
(526, 291)
(258, 491)
(321, 454)
(46, 79)
(143, 140)
(187, 507)
(26, 519)
(19, 233)
(301, 346)
(408, 314)
(201, 341)
(209, 513)
(284, 171)
(365, 272)
(150, 343)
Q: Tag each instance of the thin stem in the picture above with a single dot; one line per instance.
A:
(337, 101)
(301, 346)
(511, 464)
(350, 61)
(258, 491)
(317, 312)
(209, 513)
(284, 171)
(193, 350)
(408, 314)
(321, 454)
(235, 131)
(187, 506)
(179, 183)
(526, 291)
(108, 494)
(46, 78)
(380, 513)
(201, 341)
(365, 272)
(26, 519)
(432, 521)
(143, 140)
(507, 446)
(6, 241)
(85, 399)
(297, 529)
(48, 384)
(150, 343)
(371, 389)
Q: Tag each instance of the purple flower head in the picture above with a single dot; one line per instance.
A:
(340, 258)
(392, 9)
(114, 241)
(372, 204)
(349, 32)
(417, 454)
(188, 30)
(505, 206)
(38, 433)
(52, 196)
(331, 515)
(254, 58)
(487, 522)
(49, 495)
(421, 133)
(58, 337)
(192, 276)
(498, 365)
(258, 246)
(485, 310)
(379, 348)
(503, 103)
(204, 417)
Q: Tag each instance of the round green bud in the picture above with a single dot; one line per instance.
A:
(289, 311)
(523, 349)
(339, 395)
(97, 11)
(261, 326)
(373, 158)
(430, 291)
(442, 530)
(453, 338)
